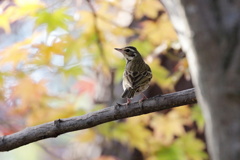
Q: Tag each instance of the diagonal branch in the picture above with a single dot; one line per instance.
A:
(61, 126)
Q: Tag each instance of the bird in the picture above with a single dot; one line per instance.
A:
(137, 74)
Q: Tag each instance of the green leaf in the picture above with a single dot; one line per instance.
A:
(57, 18)
(198, 117)
(192, 147)
(170, 153)
(106, 129)
(72, 71)
(144, 47)
(161, 75)
(120, 66)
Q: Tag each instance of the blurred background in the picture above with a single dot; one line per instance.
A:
(57, 60)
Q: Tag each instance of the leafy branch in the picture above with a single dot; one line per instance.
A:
(61, 126)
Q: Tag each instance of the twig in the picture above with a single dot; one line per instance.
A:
(98, 33)
(61, 126)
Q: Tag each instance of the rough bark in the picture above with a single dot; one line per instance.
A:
(209, 31)
(58, 127)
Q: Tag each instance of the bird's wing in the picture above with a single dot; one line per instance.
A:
(138, 78)
(128, 93)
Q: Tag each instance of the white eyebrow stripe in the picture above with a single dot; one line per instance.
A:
(133, 50)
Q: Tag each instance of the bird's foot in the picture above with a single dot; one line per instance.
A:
(125, 104)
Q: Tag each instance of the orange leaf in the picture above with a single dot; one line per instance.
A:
(29, 92)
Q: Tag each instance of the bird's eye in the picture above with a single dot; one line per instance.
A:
(127, 50)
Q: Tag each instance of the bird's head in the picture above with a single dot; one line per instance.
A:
(129, 53)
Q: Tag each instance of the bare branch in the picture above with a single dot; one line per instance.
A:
(58, 127)
(98, 33)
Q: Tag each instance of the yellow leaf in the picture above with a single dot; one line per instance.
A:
(26, 2)
(87, 21)
(4, 23)
(30, 8)
(184, 113)
(133, 133)
(21, 9)
(13, 56)
(41, 113)
(160, 31)
(16, 53)
(143, 119)
(167, 126)
(148, 8)
(161, 75)
(87, 135)
(121, 31)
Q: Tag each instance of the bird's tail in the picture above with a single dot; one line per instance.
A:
(128, 93)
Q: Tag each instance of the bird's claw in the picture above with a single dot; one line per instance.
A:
(124, 104)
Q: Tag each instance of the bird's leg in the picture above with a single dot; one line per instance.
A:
(144, 97)
(128, 101)
(140, 102)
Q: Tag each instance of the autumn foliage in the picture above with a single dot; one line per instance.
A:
(57, 61)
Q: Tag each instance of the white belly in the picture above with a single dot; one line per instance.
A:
(126, 85)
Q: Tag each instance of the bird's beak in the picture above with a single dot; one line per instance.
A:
(119, 49)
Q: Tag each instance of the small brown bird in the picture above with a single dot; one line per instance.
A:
(137, 74)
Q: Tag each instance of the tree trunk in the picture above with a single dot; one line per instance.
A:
(209, 32)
